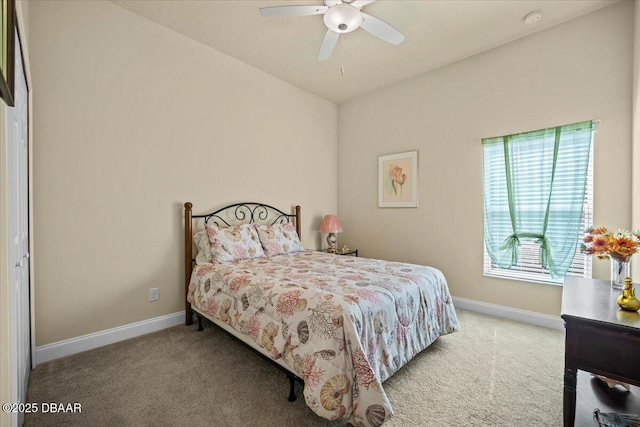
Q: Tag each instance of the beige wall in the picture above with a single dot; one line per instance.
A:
(576, 71)
(133, 120)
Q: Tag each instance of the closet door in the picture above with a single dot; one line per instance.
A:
(18, 218)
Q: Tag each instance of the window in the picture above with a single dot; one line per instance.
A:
(538, 201)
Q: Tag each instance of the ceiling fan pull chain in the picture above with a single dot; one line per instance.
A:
(341, 55)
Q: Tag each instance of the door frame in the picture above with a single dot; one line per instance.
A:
(5, 285)
(22, 37)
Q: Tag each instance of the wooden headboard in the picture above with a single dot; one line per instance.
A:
(237, 213)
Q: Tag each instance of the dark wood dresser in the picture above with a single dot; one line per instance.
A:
(599, 338)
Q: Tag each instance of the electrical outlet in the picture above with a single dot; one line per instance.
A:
(153, 294)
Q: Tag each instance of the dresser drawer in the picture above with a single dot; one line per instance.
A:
(606, 350)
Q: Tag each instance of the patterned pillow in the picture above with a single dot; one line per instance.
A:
(234, 243)
(278, 239)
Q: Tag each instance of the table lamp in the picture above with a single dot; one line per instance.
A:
(331, 224)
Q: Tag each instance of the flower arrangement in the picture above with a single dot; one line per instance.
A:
(619, 245)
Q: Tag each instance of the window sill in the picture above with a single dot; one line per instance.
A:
(541, 281)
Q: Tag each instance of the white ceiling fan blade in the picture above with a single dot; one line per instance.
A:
(361, 3)
(381, 29)
(293, 10)
(328, 44)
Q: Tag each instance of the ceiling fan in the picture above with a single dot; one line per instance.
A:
(340, 16)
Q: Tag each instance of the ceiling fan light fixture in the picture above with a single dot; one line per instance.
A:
(343, 18)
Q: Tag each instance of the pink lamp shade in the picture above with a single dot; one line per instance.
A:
(330, 224)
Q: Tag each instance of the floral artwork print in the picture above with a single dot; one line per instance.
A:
(397, 177)
(342, 324)
(397, 180)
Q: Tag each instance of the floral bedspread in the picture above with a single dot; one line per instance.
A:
(342, 324)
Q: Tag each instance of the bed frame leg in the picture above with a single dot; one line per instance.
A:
(200, 328)
(292, 392)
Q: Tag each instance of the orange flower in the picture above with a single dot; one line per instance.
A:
(625, 242)
(600, 243)
(599, 230)
(624, 246)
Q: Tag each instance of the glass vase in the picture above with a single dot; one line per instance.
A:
(619, 270)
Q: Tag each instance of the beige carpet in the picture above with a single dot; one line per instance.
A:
(493, 372)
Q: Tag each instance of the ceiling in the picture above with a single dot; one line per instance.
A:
(437, 33)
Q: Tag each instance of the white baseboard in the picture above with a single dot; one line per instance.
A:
(56, 350)
(539, 319)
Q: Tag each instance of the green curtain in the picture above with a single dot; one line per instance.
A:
(534, 186)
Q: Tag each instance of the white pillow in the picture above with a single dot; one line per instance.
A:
(203, 246)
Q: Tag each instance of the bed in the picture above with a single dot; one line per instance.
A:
(341, 325)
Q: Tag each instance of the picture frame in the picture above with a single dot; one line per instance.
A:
(398, 180)
(7, 51)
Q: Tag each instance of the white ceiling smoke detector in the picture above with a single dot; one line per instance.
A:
(532, 17)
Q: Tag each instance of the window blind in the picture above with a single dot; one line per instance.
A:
(546, 177)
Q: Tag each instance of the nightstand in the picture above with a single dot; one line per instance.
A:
(353, 252)
(600, 339)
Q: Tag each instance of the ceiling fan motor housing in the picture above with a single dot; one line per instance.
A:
(342, 18)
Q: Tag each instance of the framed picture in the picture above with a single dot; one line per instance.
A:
(7, 53)
(398, 180)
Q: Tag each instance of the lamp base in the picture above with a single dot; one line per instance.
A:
(331, 240)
